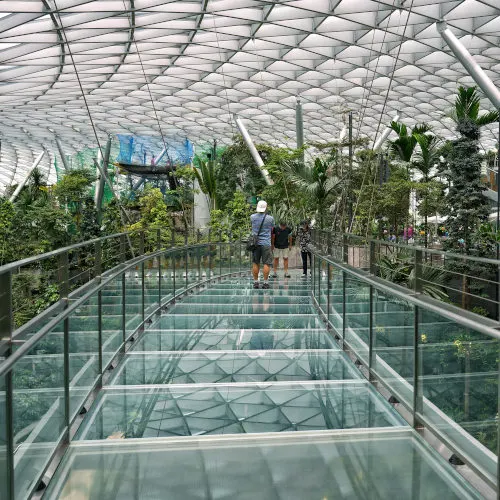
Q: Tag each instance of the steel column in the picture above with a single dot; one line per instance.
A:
(25, 180)
(385, 134)
(468, 62)
(62, 155)
(253, 150)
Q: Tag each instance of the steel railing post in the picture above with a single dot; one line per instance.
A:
(344, 316)
(63, 294)
(345, 249)
(158, 247)
(6, 328)
(124, 293)
(373, 267)
(417, 285)
(417, 393)
(370, 335)
(230, 248)
(329, 284)
(97, 273)
(220, 254)
(209, 274)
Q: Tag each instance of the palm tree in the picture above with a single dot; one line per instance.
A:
(206, 177)
(316, 182)
(424, 160)
(466, 113)
(466, 205)
(404, 146)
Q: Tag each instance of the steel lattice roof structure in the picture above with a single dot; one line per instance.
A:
(183, 68)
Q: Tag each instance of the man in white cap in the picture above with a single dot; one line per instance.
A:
(262, 225)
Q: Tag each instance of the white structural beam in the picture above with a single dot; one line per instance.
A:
(61, 154)
(30, 171)
(253, 150)
(468, 62)
(385, 134)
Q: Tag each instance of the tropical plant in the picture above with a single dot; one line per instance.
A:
(467, 207)
(400, 269)
(206, 176)
(404, 146)
(424, 160)
(317, 182)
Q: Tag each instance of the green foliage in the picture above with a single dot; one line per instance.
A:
(7, 233)
(205, 175)
(237, 170)
(233, 222)
(466, 206)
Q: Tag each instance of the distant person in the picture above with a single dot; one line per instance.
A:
(304, 238)
(262, 226)
(281, 244)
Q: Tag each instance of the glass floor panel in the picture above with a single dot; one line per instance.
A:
(230, 339)
(258, 307)
(180, 321)
(204, 298)
(160, 411)
(330, 465)
(234, 366)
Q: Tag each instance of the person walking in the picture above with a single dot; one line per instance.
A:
(262, 226)
(304, 238)
(281, 244)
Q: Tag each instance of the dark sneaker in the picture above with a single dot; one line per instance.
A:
(274, 275)
(256, 284)
(287, 276)
(266, 286)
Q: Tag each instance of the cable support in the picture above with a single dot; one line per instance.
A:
(385, 101)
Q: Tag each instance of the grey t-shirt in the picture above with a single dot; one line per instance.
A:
(267, 227)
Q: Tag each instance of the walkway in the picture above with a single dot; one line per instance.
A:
(208, 403)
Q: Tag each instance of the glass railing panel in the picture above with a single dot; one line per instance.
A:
(112, 321)
(184, 411)
(38, 410)
(179, 263)
(393, 351)
(133, 301)
(357, 316)
(228, 339)
(236, 366)
(335, 314)
(371, 465)
(458, 378)
(4, 466)
(83, 356)
(323, 286)
(167, 276)
(151, 285)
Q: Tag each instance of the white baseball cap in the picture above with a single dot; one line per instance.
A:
(261, 206)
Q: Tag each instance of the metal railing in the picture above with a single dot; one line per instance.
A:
(440, 362)
(472, 283)
(48, 373)
(29, 287)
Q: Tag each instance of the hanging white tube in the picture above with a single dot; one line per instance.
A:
(385, 134)
(465, 58)
(253, 150)
(61, 153)
(30, 171)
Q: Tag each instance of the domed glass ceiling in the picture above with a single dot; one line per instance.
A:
(183, 68)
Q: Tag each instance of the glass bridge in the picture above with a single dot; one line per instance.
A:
(242, 393)
(171, 377)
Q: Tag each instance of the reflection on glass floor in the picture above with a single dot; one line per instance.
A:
(228, 365)
(332, 465)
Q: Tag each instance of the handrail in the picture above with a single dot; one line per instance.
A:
(9, 362)
(12, 266)
(457, 315)
(401, 358)
(102, 354)
(444, 254)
